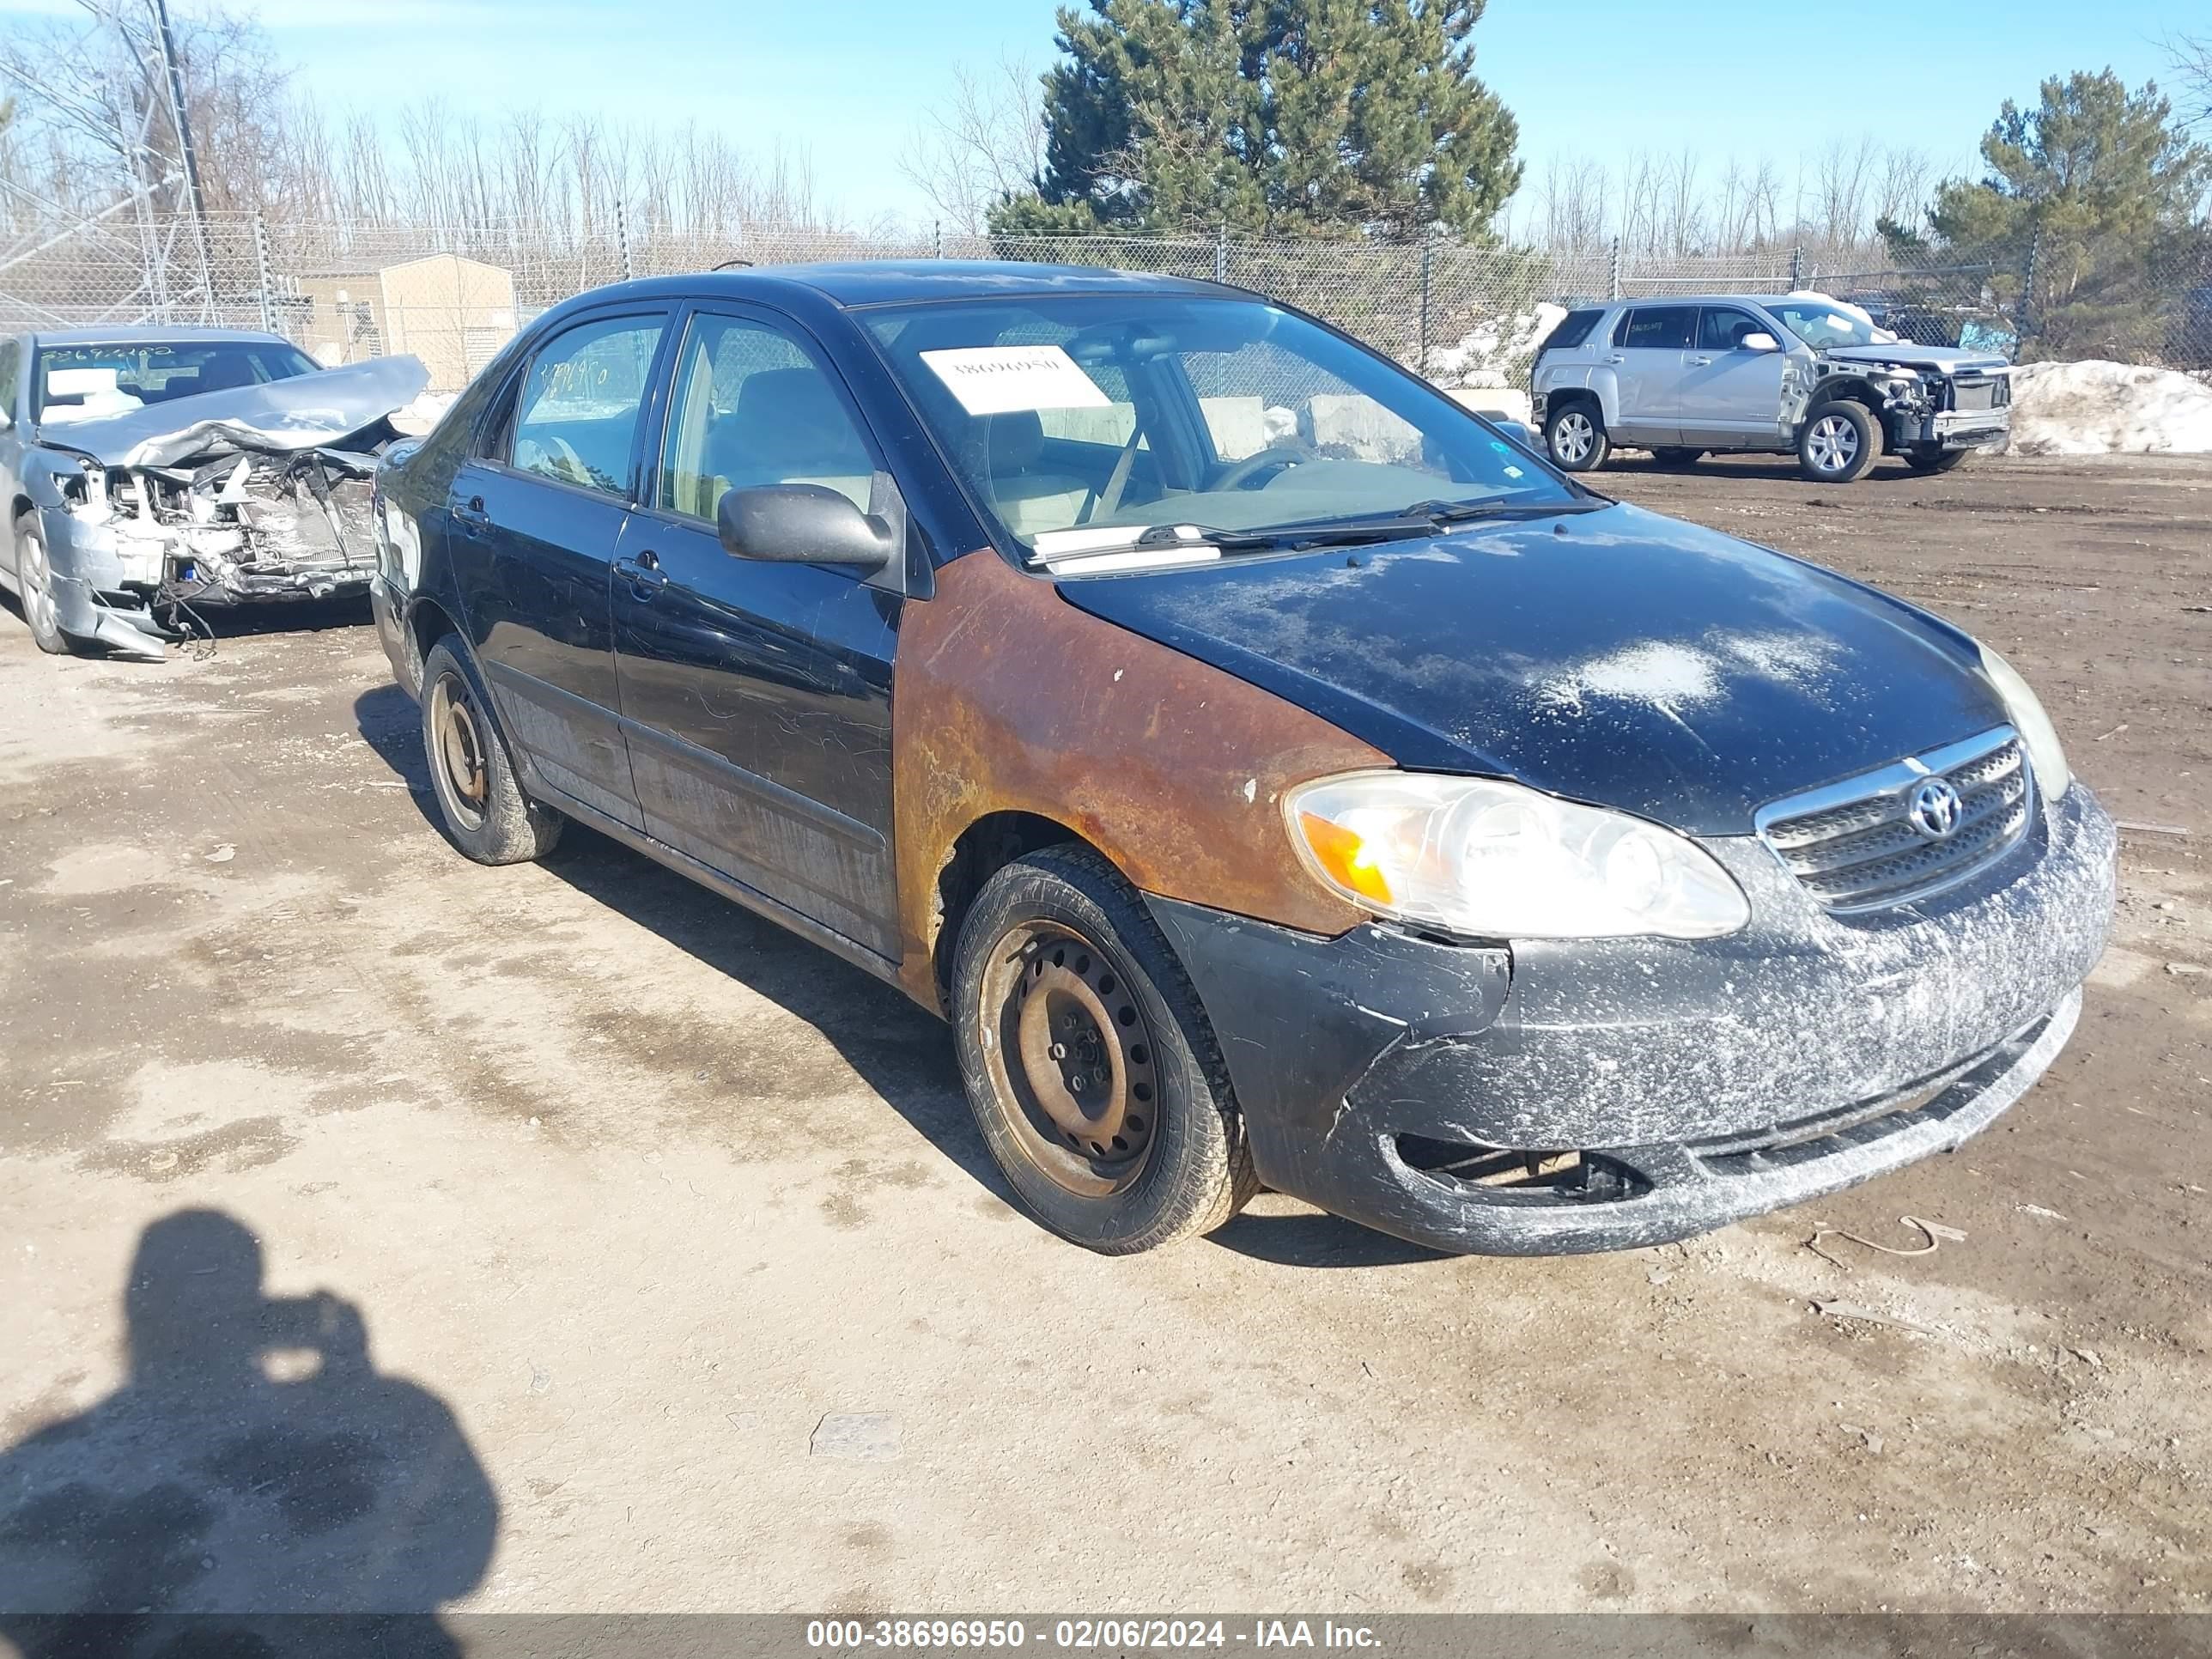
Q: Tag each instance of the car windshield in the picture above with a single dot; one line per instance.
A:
(1821, 325)
(1085, 421)
(89, 382)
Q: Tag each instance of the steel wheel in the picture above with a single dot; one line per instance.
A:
(1072, 1068)
(1573, 435)
(460, 748)
(1833, 444)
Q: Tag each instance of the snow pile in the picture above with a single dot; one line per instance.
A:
(2097, 408)
(1496, 351)
(425, 412)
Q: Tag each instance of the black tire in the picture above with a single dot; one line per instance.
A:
(1936, 460)
(1675, 458)
(1575, 437)
(1054, 938)
(487, 814)
(34, 591)
(1839, 443)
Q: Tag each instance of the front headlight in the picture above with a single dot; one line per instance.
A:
(2052, 774)
(1497, 861)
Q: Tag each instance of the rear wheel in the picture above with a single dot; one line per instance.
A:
(1575, 436)
(1839, 443)
(1936, 461)
(34, 588)
(1678, 457)
(1090, 1065)
(479, 796)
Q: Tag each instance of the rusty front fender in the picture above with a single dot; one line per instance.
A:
(1006, 699)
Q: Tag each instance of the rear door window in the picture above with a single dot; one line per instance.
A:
(575, 413)
(1657, 328)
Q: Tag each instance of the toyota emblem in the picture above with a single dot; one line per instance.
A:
(1935, 808)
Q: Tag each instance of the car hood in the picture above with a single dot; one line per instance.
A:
(1949, 360)
(1614, 657)
(305, 411)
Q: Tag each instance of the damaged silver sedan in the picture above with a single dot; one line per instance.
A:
(154, 472)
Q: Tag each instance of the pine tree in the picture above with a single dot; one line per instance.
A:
(1290, 116)
(2100, 194)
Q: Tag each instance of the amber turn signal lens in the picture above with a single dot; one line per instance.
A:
(1345, 856)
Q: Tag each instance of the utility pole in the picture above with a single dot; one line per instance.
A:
(174, 78)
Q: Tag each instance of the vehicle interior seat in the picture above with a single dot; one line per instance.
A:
(1028, 496)
(788, 427)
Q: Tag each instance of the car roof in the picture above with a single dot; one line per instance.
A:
(906, 281)
(155, 334)
(1705, 299)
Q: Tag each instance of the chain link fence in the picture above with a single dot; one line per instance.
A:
(1465, 315)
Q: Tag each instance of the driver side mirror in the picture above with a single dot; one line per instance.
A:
(1518, 431)
(801, 524)
(1760, 341)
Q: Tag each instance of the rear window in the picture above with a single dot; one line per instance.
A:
(88, 382)
(1574, 328)
(1662, 328)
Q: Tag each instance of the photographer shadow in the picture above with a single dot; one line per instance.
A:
(254, 1468)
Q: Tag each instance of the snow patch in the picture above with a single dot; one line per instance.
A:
(1669, 676)
(2100, 408)
(1496, 351)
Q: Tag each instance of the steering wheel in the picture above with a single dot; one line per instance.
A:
(1272, 459)
(566, 452)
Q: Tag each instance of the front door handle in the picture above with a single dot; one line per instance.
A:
(1698, 363)
(471, 516)
(643, 574)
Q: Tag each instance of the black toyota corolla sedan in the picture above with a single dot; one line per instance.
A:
(1276, 775)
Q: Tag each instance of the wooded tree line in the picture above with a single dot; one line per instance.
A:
(1346, 118)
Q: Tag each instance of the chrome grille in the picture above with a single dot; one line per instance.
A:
(1854, 845)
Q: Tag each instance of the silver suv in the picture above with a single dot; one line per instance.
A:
(1775, 374)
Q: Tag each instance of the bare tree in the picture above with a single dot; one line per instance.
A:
(984, 142)
(2191, 57)
(1574, 204)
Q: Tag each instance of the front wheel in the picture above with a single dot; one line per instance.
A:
(1090, 1065)
(34, 588)
(479, 795)
(1575, 436)
(1839, 443)
(1936, 460)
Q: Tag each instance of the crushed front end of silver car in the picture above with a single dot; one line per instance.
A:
(248, 495)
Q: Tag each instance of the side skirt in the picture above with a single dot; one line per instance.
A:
(735, 891)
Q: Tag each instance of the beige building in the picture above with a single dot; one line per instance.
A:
(454, 313)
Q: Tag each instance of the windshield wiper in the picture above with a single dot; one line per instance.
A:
(1491, 507)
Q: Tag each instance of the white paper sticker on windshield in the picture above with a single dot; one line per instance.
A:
(998, 380)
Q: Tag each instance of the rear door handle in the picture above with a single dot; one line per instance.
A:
(1616, 358)
(643, 574)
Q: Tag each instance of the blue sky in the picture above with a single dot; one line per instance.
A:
(847, 81)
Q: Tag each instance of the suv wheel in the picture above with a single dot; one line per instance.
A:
(1839, 443)
(472, 775)
(1089, 1063)
(1936, 461)
(1575, 436)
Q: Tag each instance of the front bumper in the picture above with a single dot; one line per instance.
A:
(1637, 1091)
(1964, 429)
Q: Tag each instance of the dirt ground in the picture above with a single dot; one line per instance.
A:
(685, 1284)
